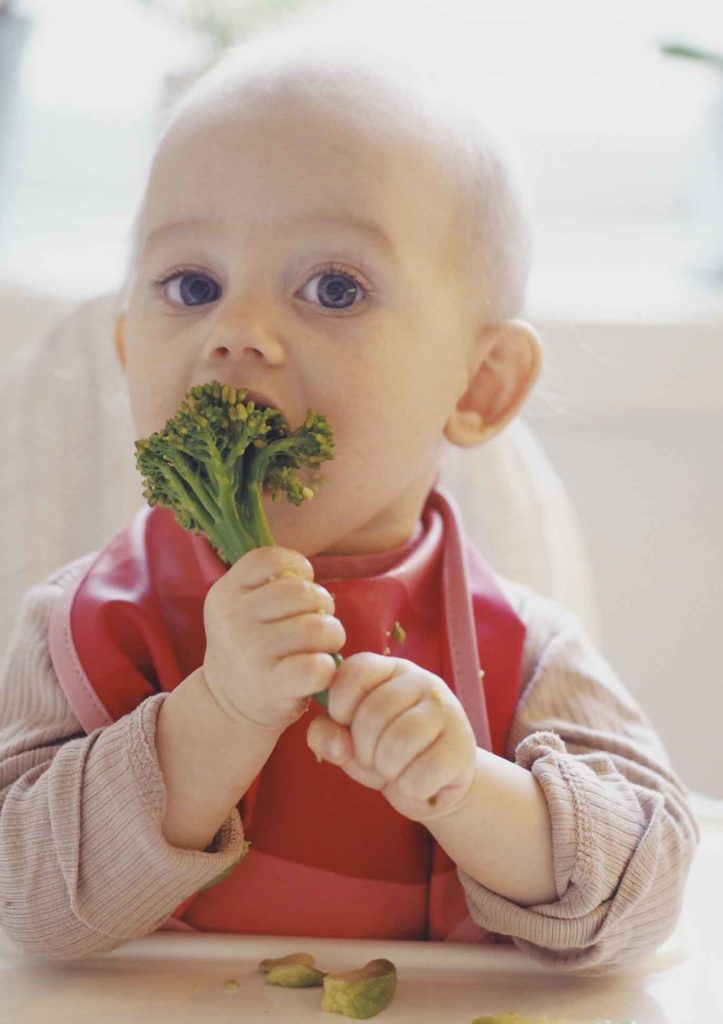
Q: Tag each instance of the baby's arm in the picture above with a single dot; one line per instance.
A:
(84, 864)
(102, 837)
(397, 728)
(623, 832)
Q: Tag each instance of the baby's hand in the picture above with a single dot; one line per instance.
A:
(395, 727)
(268, 648)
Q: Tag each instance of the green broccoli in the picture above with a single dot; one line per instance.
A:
(214, 458)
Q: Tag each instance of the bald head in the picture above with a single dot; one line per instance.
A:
(484, 238)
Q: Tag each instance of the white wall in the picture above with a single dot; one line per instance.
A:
(638, 439)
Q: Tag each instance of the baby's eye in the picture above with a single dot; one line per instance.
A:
(191, 288)
(334, 289)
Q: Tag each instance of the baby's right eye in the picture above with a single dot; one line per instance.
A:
(190, 288)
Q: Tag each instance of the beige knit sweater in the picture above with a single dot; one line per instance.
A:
(84, 866)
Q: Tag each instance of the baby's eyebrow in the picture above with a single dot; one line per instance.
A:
(158, 234)
(373, 232)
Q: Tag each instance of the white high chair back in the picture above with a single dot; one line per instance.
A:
(68, 479)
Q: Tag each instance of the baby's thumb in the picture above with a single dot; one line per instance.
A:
(329, 741)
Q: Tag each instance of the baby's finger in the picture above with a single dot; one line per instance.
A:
(332, 742)
(291, 595)
(258, 566)
(438, 774)
(381, 706)
(356, 677)
(298, 676)
(403, 740)
(329, 741)
(300, 633)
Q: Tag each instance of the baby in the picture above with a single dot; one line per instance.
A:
(331, 237)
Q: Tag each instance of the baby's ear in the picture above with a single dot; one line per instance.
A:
(508, 360)
(119, 338)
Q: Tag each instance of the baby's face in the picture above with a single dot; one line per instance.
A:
(289, 255)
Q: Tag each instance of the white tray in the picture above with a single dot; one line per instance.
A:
(179, 978)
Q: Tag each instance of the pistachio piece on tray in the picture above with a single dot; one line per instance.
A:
(293, 958)
(294, 971)
(361, 993)
(295, 976)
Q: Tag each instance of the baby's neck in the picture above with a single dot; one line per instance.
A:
(345, 564)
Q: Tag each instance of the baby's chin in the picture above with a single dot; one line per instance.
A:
(302, 528)
(315, 527)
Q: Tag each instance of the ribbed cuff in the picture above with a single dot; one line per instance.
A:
(596, 830)
(134, 878)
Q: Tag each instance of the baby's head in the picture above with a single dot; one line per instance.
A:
(331, 237)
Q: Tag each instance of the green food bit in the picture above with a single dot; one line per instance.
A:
(231, 985)
(295, 976)
(361, 993)
(305, 959)
(212, 461)
(294, 971)
(398, 633)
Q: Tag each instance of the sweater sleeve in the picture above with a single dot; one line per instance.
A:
(84, 865)
(623, 832)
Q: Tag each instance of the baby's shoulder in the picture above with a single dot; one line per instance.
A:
(541, 615)
(33, 702)
(544, 619)
(60, 579)
(36, 604)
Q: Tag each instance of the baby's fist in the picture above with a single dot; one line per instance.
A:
(395, 727)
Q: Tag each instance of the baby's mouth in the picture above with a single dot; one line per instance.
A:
(259, 400)
(263, 402)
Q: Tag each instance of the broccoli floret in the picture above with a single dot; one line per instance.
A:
(213, 459)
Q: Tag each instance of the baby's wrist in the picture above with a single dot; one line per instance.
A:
(449, 801)
(207, 760)
(217, 698)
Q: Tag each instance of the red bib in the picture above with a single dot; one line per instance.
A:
(328, 856)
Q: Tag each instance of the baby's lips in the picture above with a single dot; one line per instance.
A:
(261, 400)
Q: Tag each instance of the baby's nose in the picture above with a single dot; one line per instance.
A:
(243, 341)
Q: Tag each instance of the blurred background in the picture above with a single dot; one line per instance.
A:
(616, 111)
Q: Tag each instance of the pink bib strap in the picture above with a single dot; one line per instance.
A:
(87, 706)
(461, 634)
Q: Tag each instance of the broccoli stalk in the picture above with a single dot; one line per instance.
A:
(213, 459)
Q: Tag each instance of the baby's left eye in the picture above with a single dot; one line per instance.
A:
(334, 289)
